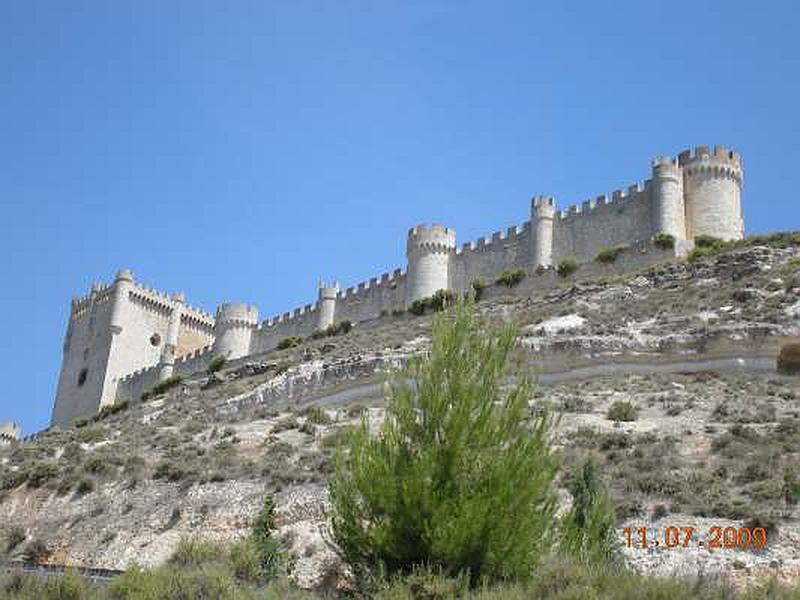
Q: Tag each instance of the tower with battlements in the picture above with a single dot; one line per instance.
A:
(428, 252)
(123, 338)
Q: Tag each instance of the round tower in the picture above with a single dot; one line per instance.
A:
(233, 329)
(543, 211)
(667, 198)
(326, 305)
(428, 252)
(712, 184)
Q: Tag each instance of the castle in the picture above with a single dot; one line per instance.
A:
(124, 337)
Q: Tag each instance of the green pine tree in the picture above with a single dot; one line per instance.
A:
(458, 479)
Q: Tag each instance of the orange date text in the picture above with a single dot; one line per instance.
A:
(684, 537)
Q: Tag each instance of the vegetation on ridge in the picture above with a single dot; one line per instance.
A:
(459, 480)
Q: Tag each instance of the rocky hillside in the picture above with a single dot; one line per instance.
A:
(665, 376)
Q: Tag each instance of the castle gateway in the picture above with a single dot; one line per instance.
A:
(124, 337)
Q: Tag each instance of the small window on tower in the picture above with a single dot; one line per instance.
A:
(82, 377)
(155, 339)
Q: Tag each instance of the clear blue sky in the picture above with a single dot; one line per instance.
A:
(239, 151)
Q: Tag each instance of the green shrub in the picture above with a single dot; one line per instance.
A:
(162, 387)
(789, 359)
(90, 435)
(333, 330)
(457, 479)
(541, 270)
(245, 562)
(193, 553)
(396, 312)
(42, 473)
(98, 464)
(12, 479)
(216, 363)
(510, 277)
(567, 267)
(622, 410)
(344, 327)
(85, 486)
(172, 472)
(289, 342)
(610, 254)
(791, 488)
(176, 583)
(36, 550)
(317, 415)
(588, 529)
(417, 307)
(706, 246)
(478, 286)
(665, 241)
(440, 300)
(14, 536)
(267, 546)
(707, 241)
(110, 409)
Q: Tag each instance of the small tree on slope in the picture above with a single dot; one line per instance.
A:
(588, 528)
(458, 479)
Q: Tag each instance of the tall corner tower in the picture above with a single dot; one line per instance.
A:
(428, 251)
(712, 184)
(85, 381)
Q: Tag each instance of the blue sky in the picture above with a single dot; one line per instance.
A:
(240, 151)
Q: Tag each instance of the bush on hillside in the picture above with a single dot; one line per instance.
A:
(289, 342)
(333, 330)
(665, 241)
(510, 277)
(789, 359)
(622, 410)
(162, 387)
(610, 254)
(588, 529)
(440, 300)
(216, 363)
(706, 246)
(457, 479)
(111, 409)
(478, 286)
(567, 267)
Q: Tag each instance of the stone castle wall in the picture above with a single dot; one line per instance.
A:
(126, 337)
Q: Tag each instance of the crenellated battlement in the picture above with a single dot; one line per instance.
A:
(193, 356)
(720, 154)
(495, 240)
(387, 279)
(433, 238)
(143, 334)
(616, 199)
(288, 316)
(98, 294)
(236, 315)
(713, 166)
